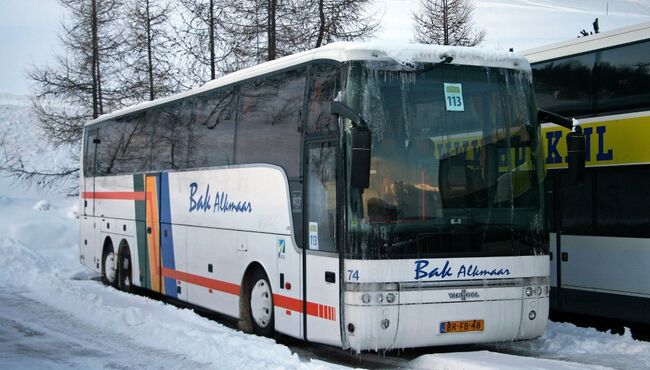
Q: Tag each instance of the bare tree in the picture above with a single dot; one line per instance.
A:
(83, 79)
(344, 20)
(149, 71)
(201, 38)
(446, 22)
(267, 29)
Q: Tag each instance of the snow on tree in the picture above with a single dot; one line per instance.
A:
(446, 22)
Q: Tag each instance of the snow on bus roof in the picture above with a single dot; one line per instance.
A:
(620, 36)
(378, 50)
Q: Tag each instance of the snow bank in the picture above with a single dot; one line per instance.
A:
(20, 266)
(565, 341)
(485, 360)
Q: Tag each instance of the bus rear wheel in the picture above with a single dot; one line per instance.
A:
(125, 272)
(260, 304)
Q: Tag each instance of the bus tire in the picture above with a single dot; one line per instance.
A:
(109, 265)
(259, 318)
(125, 271)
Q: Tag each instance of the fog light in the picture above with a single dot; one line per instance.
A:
(390, 297)
(385, 323)
(380, 298)
(538, 290)
(532, 315)
(529, 291)
(351, 328)
(365, 298)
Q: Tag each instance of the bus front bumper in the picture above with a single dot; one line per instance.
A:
(476, 316)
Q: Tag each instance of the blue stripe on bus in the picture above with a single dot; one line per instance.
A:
(167, 239)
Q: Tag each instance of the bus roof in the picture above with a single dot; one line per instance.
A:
(589, 43)
(348, 51)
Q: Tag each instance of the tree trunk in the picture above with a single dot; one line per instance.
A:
(321, 27)
(93, 27)
(213, 74)
(149, 53)
(445, 22)
(270, 30)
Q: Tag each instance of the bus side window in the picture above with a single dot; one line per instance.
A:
(212, 128)
(90, 152)
(322, 91)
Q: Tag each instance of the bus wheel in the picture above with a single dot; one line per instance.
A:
(260, 304)
(109, 266)
(124, 274)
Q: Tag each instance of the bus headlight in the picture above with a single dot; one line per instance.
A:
(380, 298)
(538, 290)
(390, 297)
(529, 291)
(365, 298)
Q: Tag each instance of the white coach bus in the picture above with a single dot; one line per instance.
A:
(600, 232)
(412, 216)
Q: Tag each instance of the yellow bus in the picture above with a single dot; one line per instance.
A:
(599, 231)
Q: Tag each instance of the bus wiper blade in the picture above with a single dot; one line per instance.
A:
(412, 241)
(444, 59)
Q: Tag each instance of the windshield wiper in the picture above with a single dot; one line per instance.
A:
(444, 59)
(408, 242)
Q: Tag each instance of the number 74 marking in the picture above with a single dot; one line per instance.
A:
(353, 274)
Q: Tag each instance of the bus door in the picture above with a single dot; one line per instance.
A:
(90, 235)
(321, 260)
(153, 279)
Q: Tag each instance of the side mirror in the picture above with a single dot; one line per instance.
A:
(575, 143)
(360, 157)
(343, 110)
(361, 141)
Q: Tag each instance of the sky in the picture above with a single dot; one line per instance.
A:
(28, 28)
(28, 36)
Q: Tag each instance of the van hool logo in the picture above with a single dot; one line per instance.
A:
(463, 295)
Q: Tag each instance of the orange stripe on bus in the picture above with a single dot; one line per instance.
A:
(114, 195)
(282, 301)
(289, 303)
(219, 285)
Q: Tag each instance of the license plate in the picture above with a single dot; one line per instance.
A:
(461, 326)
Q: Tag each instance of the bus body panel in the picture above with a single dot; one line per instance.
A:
(289, 267)
(606, 264)
(323, 311)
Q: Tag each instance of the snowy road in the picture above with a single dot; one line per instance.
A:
(34, 335)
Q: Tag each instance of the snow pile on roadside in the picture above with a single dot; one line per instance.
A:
(485, 360)
(20, 266)
(157, 325)
(42, 205)
(565, 341)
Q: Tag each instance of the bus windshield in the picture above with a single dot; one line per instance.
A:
(456, 163)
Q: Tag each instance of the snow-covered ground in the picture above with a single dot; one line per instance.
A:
(54, 314)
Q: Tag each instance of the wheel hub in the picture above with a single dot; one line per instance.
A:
(109, 267)
(261, 303)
